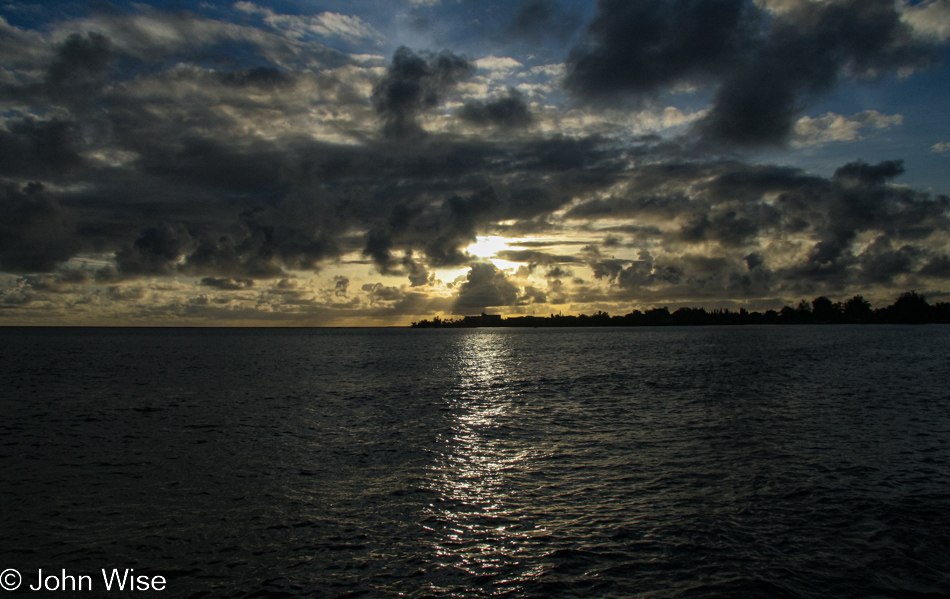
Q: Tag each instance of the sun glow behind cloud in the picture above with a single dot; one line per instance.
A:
(487, 246)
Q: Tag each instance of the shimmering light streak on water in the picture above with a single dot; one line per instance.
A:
(805, 462)
(477, 529)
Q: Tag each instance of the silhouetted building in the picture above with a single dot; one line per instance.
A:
(485, 320)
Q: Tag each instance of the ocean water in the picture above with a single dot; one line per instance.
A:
(651, 462)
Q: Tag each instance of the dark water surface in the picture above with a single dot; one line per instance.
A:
(672, 462)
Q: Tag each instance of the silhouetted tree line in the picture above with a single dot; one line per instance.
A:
(910, 308)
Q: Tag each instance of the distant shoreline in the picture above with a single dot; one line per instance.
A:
(910, 308)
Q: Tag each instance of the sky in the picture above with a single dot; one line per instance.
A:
(376, 162)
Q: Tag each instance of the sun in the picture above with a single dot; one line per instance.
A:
(488, 246)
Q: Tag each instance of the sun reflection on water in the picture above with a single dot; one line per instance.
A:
(481, 542)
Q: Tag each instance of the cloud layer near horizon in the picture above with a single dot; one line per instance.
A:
(239, 167)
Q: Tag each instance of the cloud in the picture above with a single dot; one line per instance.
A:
(509, 111)
(164, 165)
(413, 84)
(636, 47)
(485, 286)
(81, 64)
(940, 147)
(503, 65)
(938, 267)
(767, 229)
(36, 232)
(832, 127)
(227, 283)
(340, 285)
(880, 262)
(154, 36)
(930, 18)
(766, 69)
(39, 149)
(805, 54)
(328, 24)
(157, 251)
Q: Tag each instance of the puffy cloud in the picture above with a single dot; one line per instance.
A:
(485, 286)
(415, 83)
(157, 251)
(832, 127)
(929, 18)
(340, 285)
(503, 65)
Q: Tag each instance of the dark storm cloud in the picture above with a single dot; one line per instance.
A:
(252, 210)
(860, 199)
(730, 227)
(156, 251)
(767, 66)
(606, 268)
(413, 84)
(208, 163)
(636, 47)
(937, 266)
(64, 281)
(805, 55)
(74, 74)
(510, 111)
(417, 273)
(39, 149)
(738, 211)
(485, 287)
(862, 173)
(439, 230)
(646, 271)
(377, 292)
(532, 295)
(753, 260)
(733, 204)
(455, 225)
(727, 182)
(340, 285)
(36, 232)
(880, 262)
(250, 257)
(80, 62)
